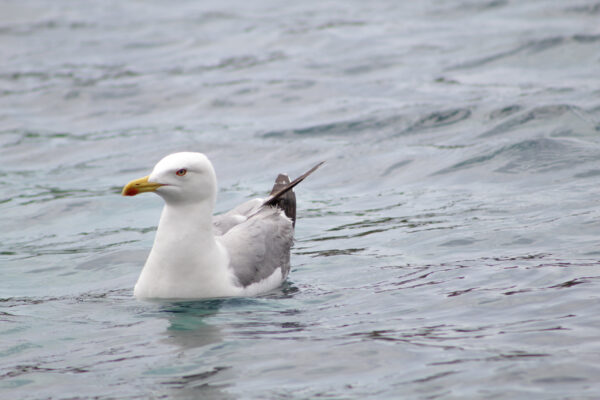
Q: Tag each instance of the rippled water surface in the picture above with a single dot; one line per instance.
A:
(448, 249)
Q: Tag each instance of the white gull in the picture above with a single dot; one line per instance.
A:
(195, 255)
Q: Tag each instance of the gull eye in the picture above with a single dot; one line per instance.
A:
(181, 172)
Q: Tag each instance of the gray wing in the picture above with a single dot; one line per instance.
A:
(224, 222)
(259, 245)
(258, 235)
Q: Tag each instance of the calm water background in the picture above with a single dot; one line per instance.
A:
(448, 249)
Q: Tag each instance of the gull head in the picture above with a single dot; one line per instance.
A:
(178, 178)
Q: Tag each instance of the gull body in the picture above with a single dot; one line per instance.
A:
(197, 255)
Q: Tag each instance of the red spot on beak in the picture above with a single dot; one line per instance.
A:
(131, 192)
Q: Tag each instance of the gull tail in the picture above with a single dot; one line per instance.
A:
(282, 196)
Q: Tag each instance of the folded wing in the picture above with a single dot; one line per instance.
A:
(260, 245)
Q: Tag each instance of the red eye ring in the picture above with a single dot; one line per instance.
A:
(181, 172)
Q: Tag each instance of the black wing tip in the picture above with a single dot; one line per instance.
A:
(313, 169)
(275, 194)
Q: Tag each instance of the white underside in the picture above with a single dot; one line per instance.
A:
(221, 285)
(272, 282)
(203, 273)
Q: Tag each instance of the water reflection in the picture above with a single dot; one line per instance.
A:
(189, 331)
(188, 328)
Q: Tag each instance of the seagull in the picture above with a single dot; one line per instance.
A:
(244, 252)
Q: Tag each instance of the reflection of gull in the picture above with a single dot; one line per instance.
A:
(195, 255)
(187, 330)
(187, 326)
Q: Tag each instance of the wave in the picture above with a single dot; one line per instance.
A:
(538, 155)
(528, 48)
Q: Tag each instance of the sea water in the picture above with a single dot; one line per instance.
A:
(448, 248)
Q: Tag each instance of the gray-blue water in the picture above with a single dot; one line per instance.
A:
(448, 249)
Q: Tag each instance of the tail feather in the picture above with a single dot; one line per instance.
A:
(286, 201)
(282, 195)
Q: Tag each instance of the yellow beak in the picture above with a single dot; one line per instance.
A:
(140, 186)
